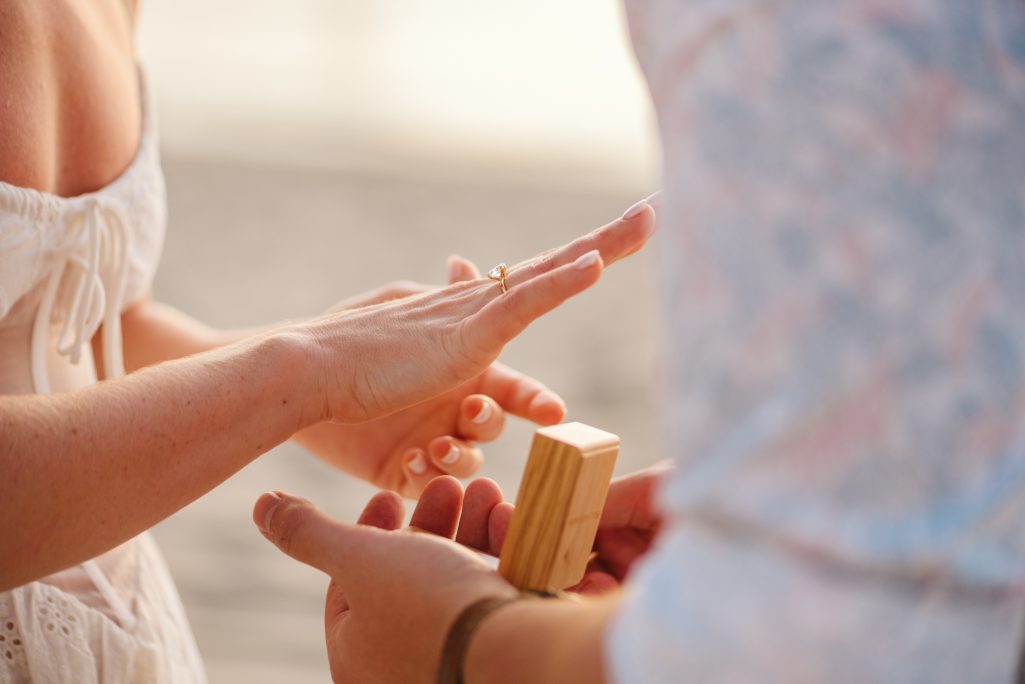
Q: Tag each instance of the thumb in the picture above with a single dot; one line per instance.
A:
(308, 535)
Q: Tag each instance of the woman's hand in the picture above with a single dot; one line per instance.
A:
(437, 434)
(373, 361)
(407, 449)
(394, 594)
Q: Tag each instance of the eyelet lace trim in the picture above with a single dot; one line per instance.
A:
(57, 618)
(12, 643)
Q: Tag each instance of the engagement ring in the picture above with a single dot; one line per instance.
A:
(498, 273)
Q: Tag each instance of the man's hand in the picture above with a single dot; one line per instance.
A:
(393, 594)
(630, 521)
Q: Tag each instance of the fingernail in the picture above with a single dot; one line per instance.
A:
(586, 261)
(418, 465)
(452, 456)
(269, 513)
(654, 200)
(484, 413)
(635, 210)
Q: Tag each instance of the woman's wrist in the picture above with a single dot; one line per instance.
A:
(294, 355)
(540, 640)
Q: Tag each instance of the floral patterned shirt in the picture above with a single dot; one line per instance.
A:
(843, 271)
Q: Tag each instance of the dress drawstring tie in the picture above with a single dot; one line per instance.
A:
(97, 255)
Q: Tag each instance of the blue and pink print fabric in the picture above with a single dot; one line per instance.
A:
(842, 250)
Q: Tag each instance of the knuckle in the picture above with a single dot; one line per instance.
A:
(545, 260)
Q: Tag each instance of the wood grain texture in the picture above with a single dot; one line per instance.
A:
(558, 507)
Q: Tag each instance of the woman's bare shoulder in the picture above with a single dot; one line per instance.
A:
(69, 101)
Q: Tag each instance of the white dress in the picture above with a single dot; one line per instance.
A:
(66, 266)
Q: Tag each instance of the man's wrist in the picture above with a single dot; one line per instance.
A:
(540, 641)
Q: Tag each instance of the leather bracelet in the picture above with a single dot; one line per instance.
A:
(457, 641)
(453, 653)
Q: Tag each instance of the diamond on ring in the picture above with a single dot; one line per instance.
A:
(499, 273)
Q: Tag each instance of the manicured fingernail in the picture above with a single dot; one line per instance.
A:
(586, 261)
(418, 464)
(269, 513)
(484, 413)
(635, 210)
(452, 456)
(654, 200)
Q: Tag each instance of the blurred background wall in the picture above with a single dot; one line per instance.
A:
(318, 148)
